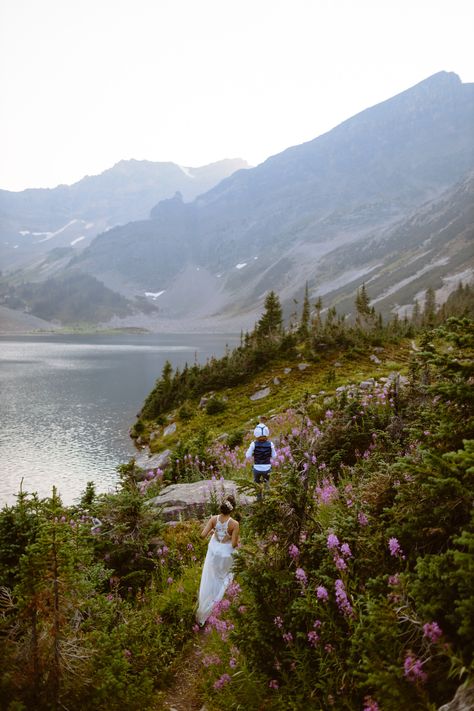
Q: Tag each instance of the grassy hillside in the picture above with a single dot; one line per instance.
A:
(353, 582)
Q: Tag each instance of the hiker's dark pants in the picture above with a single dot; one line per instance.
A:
(261, 477)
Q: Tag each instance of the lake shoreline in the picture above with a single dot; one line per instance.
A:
(69, 400)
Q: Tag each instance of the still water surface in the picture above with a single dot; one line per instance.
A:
(67, 404)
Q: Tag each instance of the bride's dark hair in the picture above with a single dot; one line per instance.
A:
(228, 504)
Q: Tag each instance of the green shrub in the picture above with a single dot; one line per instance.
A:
(186, 412)
(214, 406)
(235, 438)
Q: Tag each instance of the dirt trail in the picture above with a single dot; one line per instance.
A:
(182, 695)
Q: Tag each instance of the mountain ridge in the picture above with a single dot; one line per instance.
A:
(124, 193)
(290, 219)
(307, 200)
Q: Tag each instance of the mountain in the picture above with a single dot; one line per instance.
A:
(34, 221)
(383, 197)
(290, 219)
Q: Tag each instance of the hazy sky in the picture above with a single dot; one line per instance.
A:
(86, 83)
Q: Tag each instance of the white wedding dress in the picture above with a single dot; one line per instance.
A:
(216, 572)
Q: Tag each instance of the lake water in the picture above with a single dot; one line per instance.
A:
(67, 404)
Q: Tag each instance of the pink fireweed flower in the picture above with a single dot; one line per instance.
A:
(222, 681)
(332, 541)
(169, 581)
(342, 599)
(394, 580)
(273, 684)
(329, 414)
(413, 669)
(233, 590)
(395, 549)
(242, 609)
(326, 493)
(313, 638)
(294, 551)
(232, 663)
(288, 637)
(362, 519)
(127, 653)
(278, 622)
(321, 593)
(301, 576)
(345, 550)
(340, 563)
(370, 704)
(432, 631)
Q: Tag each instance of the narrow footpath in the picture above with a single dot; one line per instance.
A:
(182, 694)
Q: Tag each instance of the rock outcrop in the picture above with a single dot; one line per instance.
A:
(192, 500)
(260, 394)
(148, 462)
(462, 701)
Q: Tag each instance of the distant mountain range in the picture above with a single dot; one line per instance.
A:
(32, 222)
(385, 198)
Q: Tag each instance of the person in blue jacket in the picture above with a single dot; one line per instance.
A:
(261, 450)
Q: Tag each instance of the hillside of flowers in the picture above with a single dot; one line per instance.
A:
(353, 581)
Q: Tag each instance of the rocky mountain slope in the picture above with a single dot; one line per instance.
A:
(385, 198)
(34, 221)
(288, 220)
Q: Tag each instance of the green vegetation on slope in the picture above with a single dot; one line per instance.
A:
(354, 579)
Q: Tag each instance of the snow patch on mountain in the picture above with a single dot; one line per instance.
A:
(78, 239)
(401, 284)
(50, 235)
(186, 171)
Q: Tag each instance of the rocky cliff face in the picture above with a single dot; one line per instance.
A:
(34, 221)
(377, 199)
(291, 219)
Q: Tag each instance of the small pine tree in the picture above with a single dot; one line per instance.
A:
(303, 330)
(270, 324)
(429, 311)
(416, 316)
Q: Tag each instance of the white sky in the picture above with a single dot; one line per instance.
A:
(86, 83)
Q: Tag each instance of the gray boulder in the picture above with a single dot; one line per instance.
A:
(171, 429)
(260, 394)
(462, 701)
(192, 500)
(153, 461)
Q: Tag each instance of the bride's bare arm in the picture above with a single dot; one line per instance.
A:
(208, 527)
(235, 534)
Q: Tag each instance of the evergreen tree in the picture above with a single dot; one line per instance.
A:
(362, 302)
(270, 324)
(429, 310)
(366, 317)
(415, 316)
(303, 330)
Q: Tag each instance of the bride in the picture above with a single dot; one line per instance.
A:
(217, 569)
